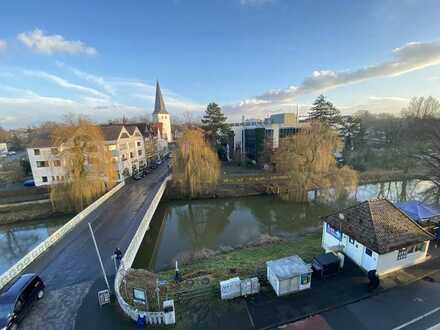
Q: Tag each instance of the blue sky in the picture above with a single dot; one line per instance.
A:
(253, 57)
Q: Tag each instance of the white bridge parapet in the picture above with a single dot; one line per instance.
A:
(132, 249)
(20, 265)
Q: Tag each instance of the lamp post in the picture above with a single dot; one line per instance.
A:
(99, 257)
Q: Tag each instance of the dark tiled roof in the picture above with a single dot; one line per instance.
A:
(379, 225)
(141, 126)
(159, 104)
(111, 132)
(41, 142)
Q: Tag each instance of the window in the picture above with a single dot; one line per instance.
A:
(139, 143)
(305, 279)
(37, 152)
(42, 164)
(58, 178)
(57, 163)
(54, 151)
(131, 155)
(53, 178)
(368, 252)
(44, 178)
(351, 240)
(140, 152)
(334, 232)
(419, 247)
(402, 254)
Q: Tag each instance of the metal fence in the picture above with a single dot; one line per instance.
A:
(55, 237)
(133, 247)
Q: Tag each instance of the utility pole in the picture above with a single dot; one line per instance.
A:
(99, 257)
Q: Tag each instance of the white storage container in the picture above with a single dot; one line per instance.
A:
(250, 286)
(231, 288)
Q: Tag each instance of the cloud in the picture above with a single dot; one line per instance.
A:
(3, 45)
(51, 44)
(65, 84)
(410, 57)
(92, 78)
(109, 98)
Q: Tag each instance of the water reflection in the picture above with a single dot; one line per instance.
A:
(18, 239)
(182, 229)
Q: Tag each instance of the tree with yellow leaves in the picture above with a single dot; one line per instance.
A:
(308, 160)
(196, 167)
(88, 164)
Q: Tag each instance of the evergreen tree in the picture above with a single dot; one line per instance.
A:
(324, 111)
(215, 126)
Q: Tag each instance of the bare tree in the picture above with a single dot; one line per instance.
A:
(89, 167)
(196, 167)
(308, 160)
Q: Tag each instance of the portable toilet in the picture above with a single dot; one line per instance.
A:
(289, 274)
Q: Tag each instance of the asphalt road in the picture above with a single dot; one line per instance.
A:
(416, 306)
(71, 266)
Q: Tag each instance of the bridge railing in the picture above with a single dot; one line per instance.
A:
(132, 249)
(20, 265)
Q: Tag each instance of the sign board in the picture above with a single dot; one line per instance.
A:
(103, 297)
(139, 296)
(334, 232)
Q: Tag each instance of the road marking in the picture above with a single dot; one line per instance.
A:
(417, 319)
(435, 327)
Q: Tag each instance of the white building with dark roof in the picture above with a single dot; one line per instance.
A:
(376, 235)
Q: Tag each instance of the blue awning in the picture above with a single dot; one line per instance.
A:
(418, 211)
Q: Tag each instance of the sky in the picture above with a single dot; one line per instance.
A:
(102, 58)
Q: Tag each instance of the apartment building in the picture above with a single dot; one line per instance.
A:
(252, 135)
(133, 146)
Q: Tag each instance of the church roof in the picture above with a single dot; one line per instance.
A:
(159, 104)
(379, 225)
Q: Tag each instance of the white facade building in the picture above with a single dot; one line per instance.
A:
(276, 127)
(3, 148)
(376, 235)
(133, 146)
(46, 165)
(126, 144)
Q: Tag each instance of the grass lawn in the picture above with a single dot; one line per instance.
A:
(247, 261)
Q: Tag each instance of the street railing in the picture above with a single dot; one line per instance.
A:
(132, 249)
(20, 265)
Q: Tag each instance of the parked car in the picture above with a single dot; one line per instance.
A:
(137, 176)
(17, 298)
(29, 183)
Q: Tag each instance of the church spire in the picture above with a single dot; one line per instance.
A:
(159, 104)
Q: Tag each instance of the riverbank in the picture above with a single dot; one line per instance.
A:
(239, 183)
(25, 211)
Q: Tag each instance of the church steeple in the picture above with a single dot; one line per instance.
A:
(159, 104)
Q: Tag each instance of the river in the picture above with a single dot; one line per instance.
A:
(181, 229)
(17, 239)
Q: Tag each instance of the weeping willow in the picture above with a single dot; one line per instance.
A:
(307, 158)
(88, 164)
(196, 167)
